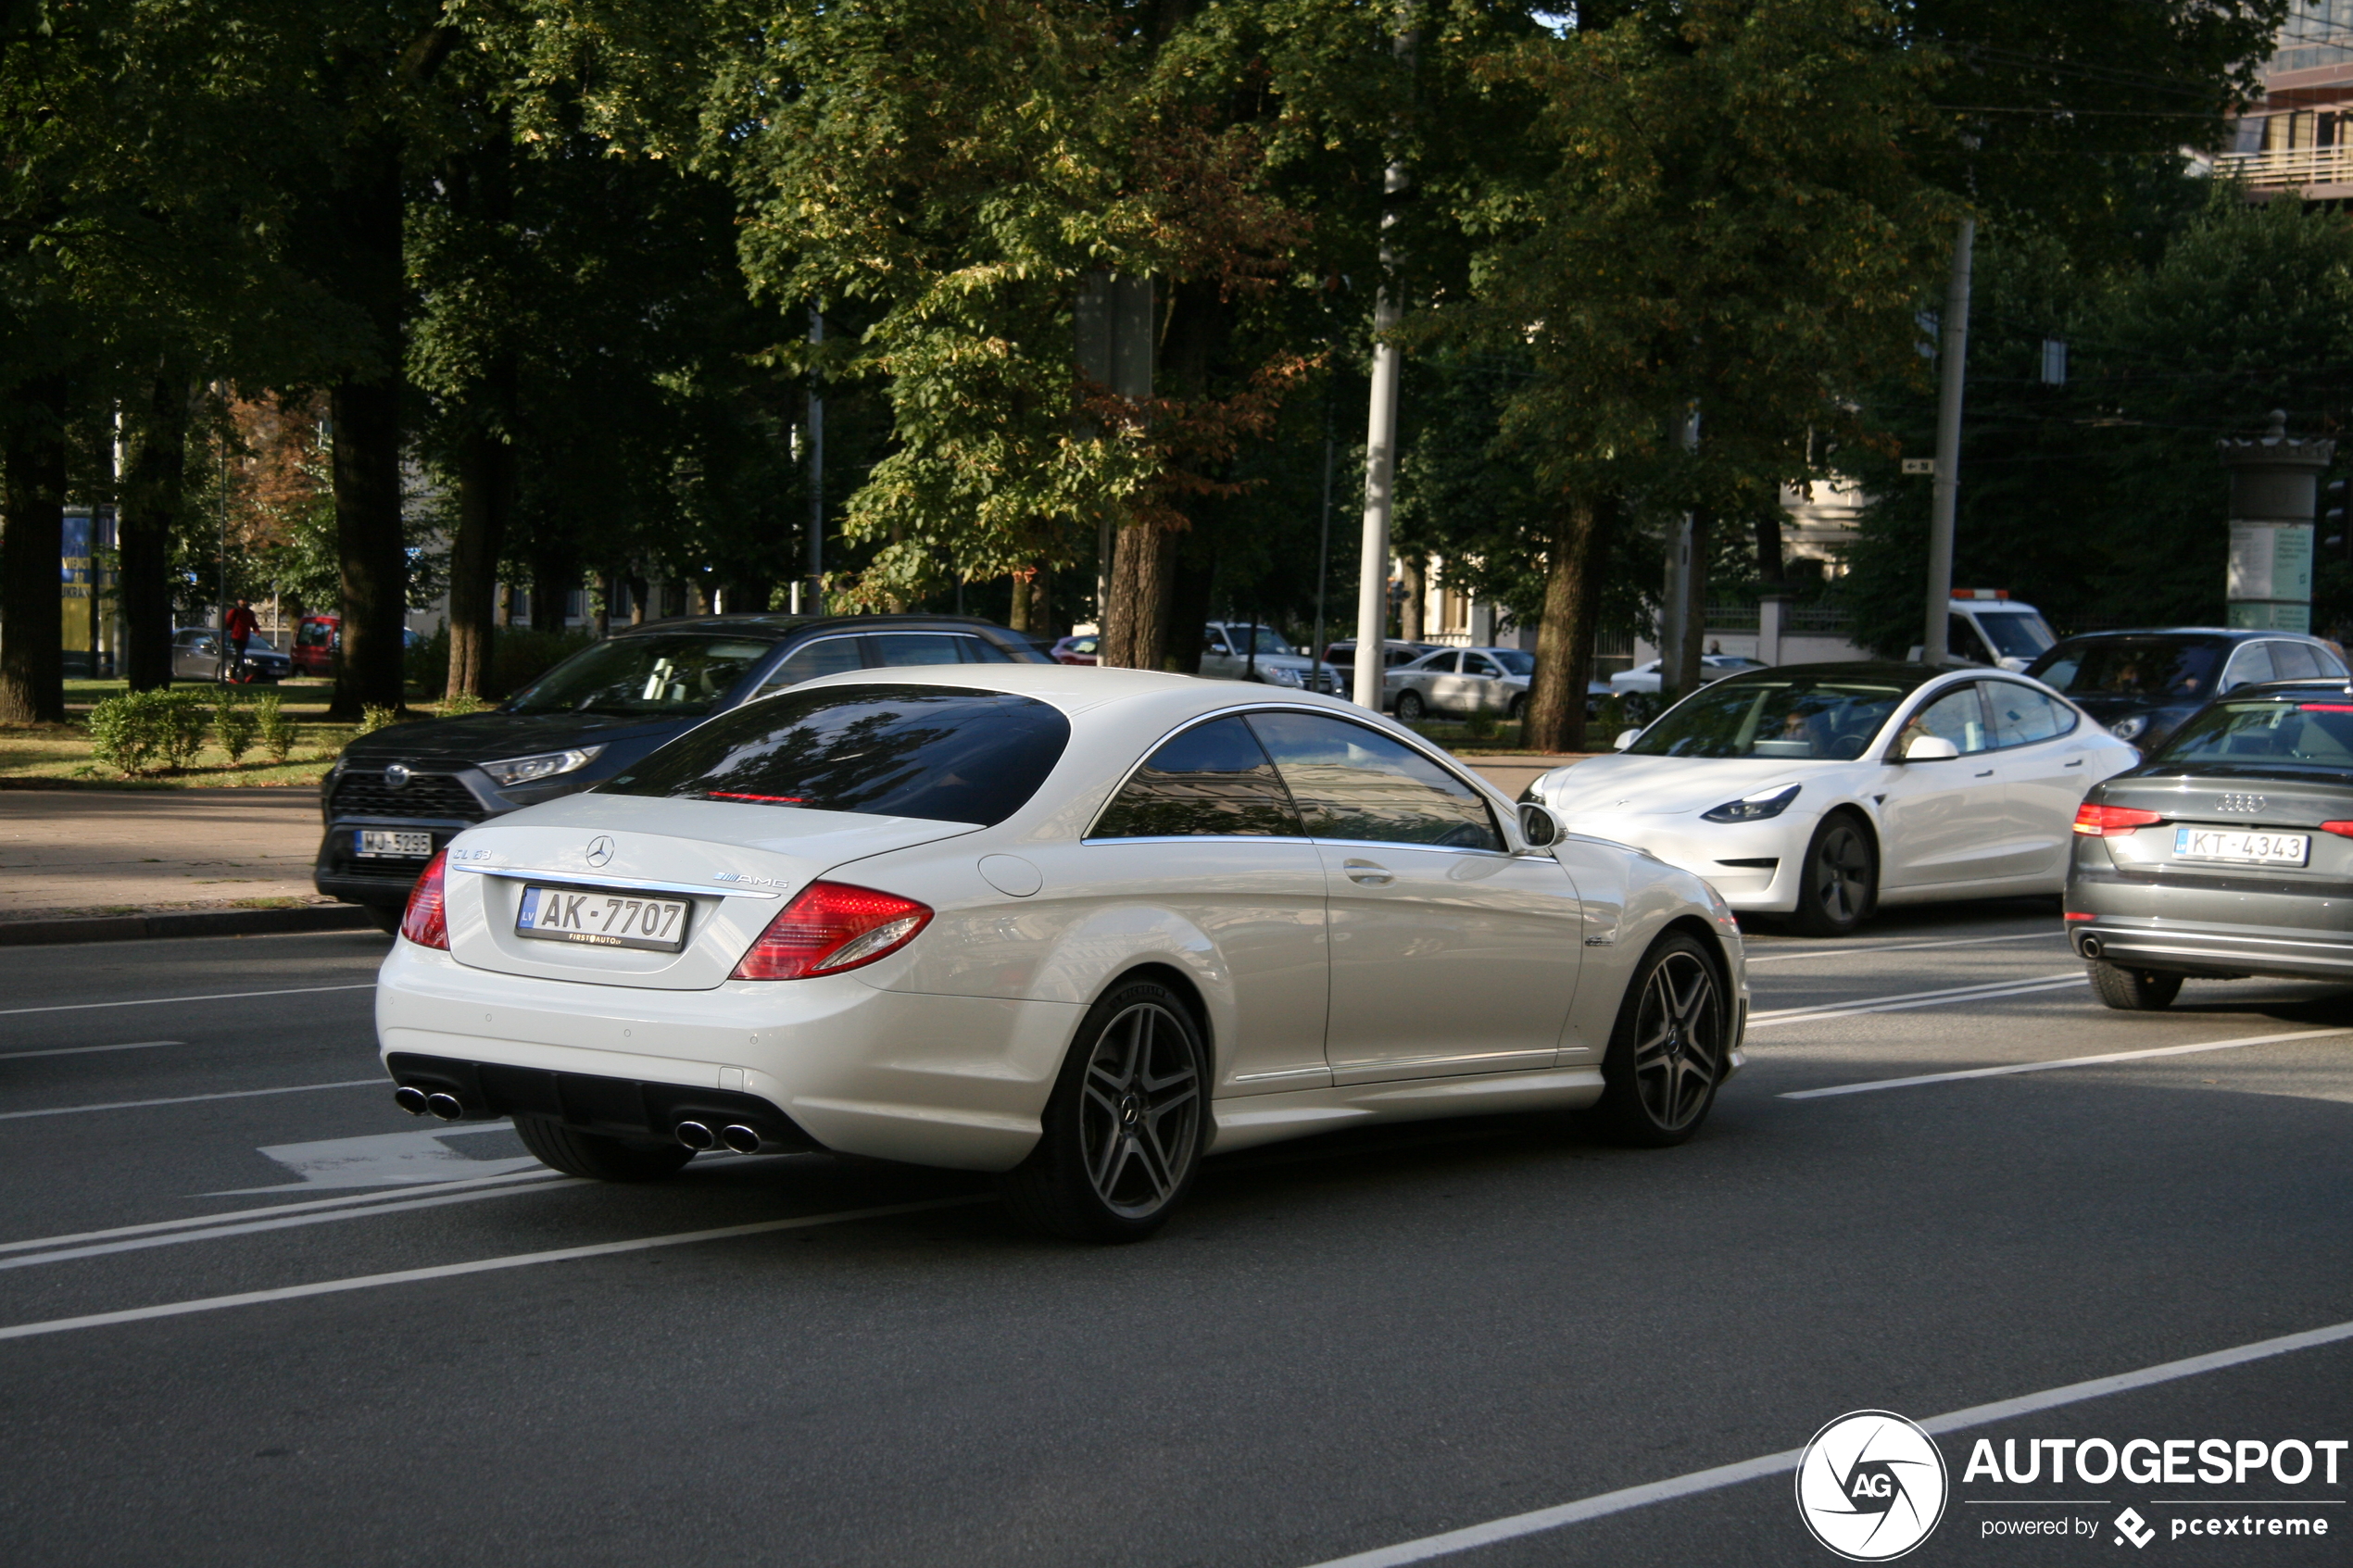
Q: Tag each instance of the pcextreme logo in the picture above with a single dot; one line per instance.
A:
(1870, 1485)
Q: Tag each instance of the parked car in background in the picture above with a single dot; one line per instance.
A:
(1825, 790)
(2140, 685)
(1076, 650)
(1648, 677)
(396, 797)
(1460, 680)
(318, 638)
(1987, 626)
(1072, 932)
(1226, 655)
(196, 653)
(2226, 853)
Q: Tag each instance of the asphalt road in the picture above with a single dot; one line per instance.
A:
(1340, 1346)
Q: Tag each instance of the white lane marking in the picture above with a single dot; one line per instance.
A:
(2016, 1067)
(283, 1221)
(483, 1265)
(85, 1051)
(233, 1215)
(1520, 1524)
(190, 1099)
(1901, 1000)
(1903, 946)
(209, 997)
(382, 1159)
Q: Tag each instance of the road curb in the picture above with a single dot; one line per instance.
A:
(184, 922)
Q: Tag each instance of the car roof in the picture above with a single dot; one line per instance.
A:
(781, 626)
(1896, 672)
(2224, 633)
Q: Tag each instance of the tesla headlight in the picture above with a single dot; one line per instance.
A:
(2128, 729)
(546, 765)
(1755, 808)
(1279, 675)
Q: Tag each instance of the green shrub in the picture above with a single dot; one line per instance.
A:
(1480, 724)
(520, 656)
(234, 724)
(182, 721)
(426, 666)
(122, 731)
(275, 730)
(374, 717)
(463, 704)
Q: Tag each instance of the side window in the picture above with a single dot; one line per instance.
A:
(2330, 664)
(1444, 664)
(980, 650)
(1213, 779)
(2252, 662)
(1962, 641)
(1957, 716)
(901, 648)
(827, 656)
(2023, 715)
(1214, 641)
(1478, 664)
(1357, 784)
(2294, 661)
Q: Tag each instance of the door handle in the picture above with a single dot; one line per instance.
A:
(1987, 774)
(2077, 763)
(1366, 872)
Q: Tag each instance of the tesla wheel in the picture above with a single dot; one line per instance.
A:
(1667, 1053)
(1124, 1131)
(1411, 709)
(2133, 990)
(1838, 885)
(594, 1155)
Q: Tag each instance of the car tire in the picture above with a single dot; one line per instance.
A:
(1518, 710)
(1838, 881)
(2133, 990)
(1124, 1129)
(386, 920)
(1411, 709)
(1670, 1048)
(595, 1156)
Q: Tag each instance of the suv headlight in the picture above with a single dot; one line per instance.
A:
(1279, 675)
(1755, 808)
(2128, 729)
(546, 765)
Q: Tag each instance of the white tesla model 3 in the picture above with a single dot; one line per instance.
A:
(1079, 926)
(1825, 790)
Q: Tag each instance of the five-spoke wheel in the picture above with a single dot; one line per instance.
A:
(1124, 1131)
(1670, 1047)
(1838, 884)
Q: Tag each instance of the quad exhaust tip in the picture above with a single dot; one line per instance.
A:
(410, 1099)
(696, 1136)
(446, 1107)
(742, 1139)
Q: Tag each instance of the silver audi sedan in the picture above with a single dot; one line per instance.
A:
(1077, 927)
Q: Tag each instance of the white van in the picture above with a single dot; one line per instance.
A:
(1987, 626)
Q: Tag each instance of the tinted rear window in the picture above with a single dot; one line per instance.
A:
(2314, 731)
(944, 753)
(2154, 669)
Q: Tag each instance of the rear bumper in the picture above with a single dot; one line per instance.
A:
(958, 1082)
(2141, 923)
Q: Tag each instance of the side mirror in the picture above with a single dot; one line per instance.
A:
(1627, 738)
(1539, 826)
(1931, 749)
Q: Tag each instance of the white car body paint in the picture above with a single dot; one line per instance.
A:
(1985, 824)
(945, 1052)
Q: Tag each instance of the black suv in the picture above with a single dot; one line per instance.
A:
(2140, 685)
(396, 797)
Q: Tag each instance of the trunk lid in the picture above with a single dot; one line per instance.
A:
(2235, 800)
(732, 866)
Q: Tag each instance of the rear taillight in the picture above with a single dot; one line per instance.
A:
(426, 922)
(2342, 830)
(830, 927)
(2112, 822)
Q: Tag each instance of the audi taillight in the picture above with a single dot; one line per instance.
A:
(426, 922)
(2342, 830)
(2112, 822)
(830, 927)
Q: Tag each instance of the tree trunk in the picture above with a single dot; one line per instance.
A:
(1768, 548)
(1410, 623)
(1196, 574)
(1564, 635)
(32, 469)
(1141, 576)
(1696, 606)
(153, 492)
(1018, 617)
(485, 500)
(550, 595)
(367, 537)
(637, 601)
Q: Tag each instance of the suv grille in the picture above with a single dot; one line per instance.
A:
(363, 793)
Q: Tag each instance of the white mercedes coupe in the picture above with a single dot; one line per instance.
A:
(1825, 790)
(1078, 926)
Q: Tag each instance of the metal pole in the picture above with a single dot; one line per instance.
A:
(817, 469)
(1324, 543)
(221, 616)
(1380, 433)
(1952, 353)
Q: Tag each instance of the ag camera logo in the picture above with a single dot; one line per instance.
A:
(1872, 1485)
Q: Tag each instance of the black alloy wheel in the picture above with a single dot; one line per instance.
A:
(597, 1157)
(1411, 709)
(1670, 1048)
(1838, 885)
(2133, 990)
(1124, 1131)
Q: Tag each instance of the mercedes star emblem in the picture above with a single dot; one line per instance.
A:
(600, 850)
